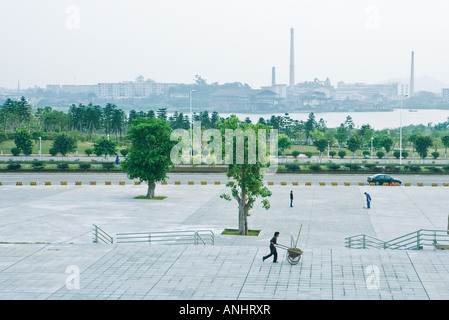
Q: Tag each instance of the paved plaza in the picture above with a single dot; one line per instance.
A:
(46, 249)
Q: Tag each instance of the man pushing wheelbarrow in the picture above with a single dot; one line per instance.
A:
(273, 251)
(293, 253)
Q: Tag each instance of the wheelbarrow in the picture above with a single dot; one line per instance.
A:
(293, 253)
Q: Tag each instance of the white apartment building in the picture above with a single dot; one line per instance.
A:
(133, 89)
(118, 90)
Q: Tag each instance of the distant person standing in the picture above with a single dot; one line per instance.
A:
(273, 251)
(291, 199)
(368, 200)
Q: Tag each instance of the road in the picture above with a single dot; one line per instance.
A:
(100, 178)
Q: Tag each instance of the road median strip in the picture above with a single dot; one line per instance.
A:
(270, 183)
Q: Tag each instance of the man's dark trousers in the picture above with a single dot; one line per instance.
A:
(272, 253)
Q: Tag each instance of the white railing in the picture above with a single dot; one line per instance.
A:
(100, 236)
(196, 237)
(415, 240)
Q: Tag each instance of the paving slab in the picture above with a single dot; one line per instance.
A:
(227, 272)
(46, 249)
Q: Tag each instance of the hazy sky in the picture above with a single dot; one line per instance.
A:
(60, 42)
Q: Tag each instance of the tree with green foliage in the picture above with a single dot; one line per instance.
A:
(104, 146)
(341, 135)
(317, 135)
(436, 143)
(64, 144)
(22, 139)
(309, 126)
(49, 120)
(355, 142)
(445, 141)
(162, 114)
(24, 112)
(349, 123)
(412, 140)
(87, 119)
(3, 138)
(15, 114)
(248, 176)
(149, 155)
(321, 145)
(329, 135)
(386, 142)
(367, 135)
(422, 144)
(283, 142)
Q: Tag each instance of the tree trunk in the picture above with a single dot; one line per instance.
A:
(243, 214)
(151, 187)
(243, 219)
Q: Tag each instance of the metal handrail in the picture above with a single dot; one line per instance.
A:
(100, 236)
(413, 240)
(168, 237)
(198, 236)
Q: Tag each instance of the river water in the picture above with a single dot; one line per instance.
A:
(377, 120)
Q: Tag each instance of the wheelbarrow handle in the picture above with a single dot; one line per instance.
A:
(296, 244)
(282, 246)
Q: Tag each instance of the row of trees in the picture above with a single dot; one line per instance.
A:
(62, 144)
(15, 114)
(312, 132)
(179, 120)
(110, 120)
(89, 119)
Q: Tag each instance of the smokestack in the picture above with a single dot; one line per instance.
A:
(292, 59)
(412, 76)
(273, 76)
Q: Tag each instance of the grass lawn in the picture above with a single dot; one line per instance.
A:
(235, 232)
(148, 198)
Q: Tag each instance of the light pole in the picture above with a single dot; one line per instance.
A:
(40, 147)
(372, 138)
(400, 132)
(191, 124)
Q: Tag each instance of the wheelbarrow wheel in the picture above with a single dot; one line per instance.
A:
(293, 257)
(293, 261)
